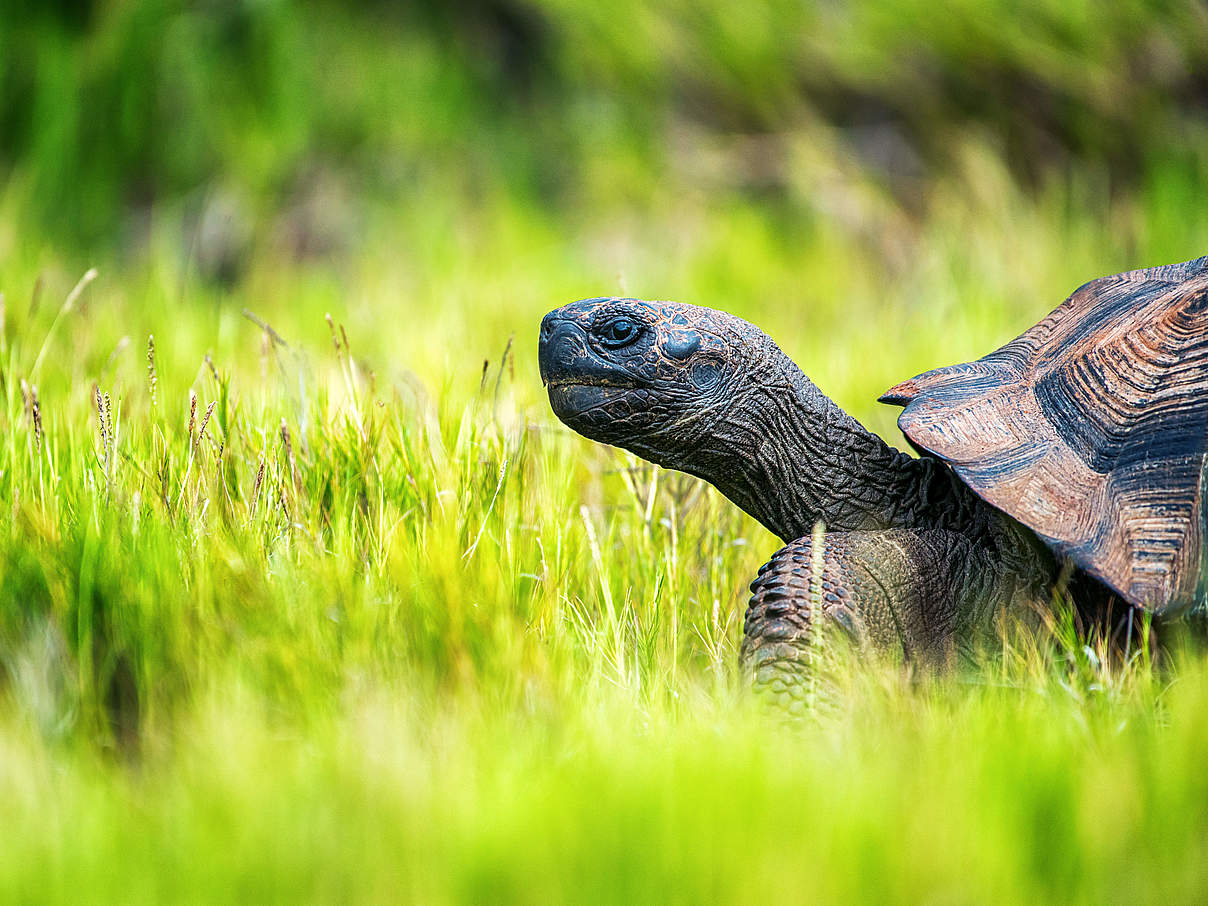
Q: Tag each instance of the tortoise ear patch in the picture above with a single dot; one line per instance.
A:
(706, 374)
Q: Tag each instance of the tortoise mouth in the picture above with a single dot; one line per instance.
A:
(593, 380)
(575, 398)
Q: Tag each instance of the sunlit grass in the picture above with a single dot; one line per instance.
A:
(384, 630)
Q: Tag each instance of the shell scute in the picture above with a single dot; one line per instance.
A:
(1091, 428)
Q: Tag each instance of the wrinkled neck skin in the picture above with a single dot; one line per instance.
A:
(789, 456)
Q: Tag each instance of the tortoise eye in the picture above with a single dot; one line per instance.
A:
(619, 332)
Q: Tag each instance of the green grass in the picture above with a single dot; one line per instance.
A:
(445, 650)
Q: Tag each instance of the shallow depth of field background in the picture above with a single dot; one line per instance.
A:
(319, 602)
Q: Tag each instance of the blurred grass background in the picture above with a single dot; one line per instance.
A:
(383, 630)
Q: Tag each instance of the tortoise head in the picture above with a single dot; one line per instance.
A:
(657, 378)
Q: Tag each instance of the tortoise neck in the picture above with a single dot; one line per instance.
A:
(794, 458)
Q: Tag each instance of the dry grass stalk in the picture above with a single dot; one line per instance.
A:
(265, 345)
(256, 487)
(505, 361)
(104, 413)
(68, 305)
(118, 349)
(287, 442)
(335, 339)
(33, 410)
(101, 423)
(35, 298)
(205, 420)
(339, 340)
(814, 609)
(192, 419)
(36, 411)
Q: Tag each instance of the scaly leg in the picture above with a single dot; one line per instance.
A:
(902, 594)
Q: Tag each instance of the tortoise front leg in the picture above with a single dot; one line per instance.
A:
(900, 594)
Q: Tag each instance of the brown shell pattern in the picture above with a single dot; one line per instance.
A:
(1092, 429)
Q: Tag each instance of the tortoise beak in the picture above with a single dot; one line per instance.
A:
(562, 352)
(545, 346)
(564, 356)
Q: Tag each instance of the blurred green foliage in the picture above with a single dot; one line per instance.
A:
(375, 627)
(110, 108)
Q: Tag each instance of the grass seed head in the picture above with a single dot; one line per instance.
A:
(205, 420)
(101, 417)
(36, 411)
(335, 337)
(256, 486)
(152, 377)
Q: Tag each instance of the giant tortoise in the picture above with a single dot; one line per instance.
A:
(1078, 447)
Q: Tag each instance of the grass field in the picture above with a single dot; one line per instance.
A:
(305, 595)
(366, 623)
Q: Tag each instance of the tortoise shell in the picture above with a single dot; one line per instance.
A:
(1092, 430)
